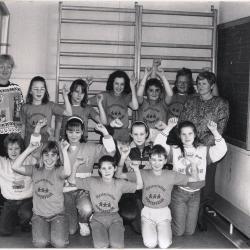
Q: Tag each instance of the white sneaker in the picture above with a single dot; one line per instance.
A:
(84, 229)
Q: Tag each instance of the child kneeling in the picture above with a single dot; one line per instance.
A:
(105, 193)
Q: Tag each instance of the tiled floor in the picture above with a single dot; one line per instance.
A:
(209, 239)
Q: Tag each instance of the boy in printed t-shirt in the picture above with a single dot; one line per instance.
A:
(156, 196)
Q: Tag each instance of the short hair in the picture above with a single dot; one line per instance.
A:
(158, 150)
(84, 88)
(48, 147)
(75, 122)
(140, 123)
(7, 58)
(29, 98)
(209, 76)
(11, 139)
(153, 82)
(118, 74)
(106, 158)
(188, 73)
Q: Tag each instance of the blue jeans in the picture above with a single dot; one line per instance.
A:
(53, 230)
(184, 208)
(14, 210)
(78, 208)
(107, 230)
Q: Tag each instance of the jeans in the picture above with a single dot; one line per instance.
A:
(184, 207)
(14, 210)
(107, 230)
(78, 208)
(156, 227)
(53, 230)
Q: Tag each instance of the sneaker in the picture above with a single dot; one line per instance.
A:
(84, 229)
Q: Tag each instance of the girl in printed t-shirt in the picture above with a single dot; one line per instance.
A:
(120, 94)
(78, 98)
(38, 107)
(186, 156)
(105, 193)
(49, 224)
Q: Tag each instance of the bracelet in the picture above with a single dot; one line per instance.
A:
(218, 140)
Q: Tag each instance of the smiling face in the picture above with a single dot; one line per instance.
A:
(157, 162)
(153, 93)
(139, 135)
(5, 71)
(118, 85)
(50, 159)
(74, 135)
(37, 91)
(13, 150)
(187, 136)
(182, 84)
(203, 87)
(107, 170)
(77, 96)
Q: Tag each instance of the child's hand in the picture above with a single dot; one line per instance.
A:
(135, 166)
(147, 71)
(89, 80)
(34, 145)
(64, 145)
(160, 125)
(99, 98)
(65, 89)
(172, 122)
(160, 73)
(124, 149)
(116, 123)
(212, 126)
(101, 128)
(156, 64)
(41, 123)
(133, 81)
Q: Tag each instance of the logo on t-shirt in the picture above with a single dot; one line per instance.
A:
(35, 118)
(104, 202)
(155, 194)
(175, 109)
(151, 116)
(116, 111)
(18, 185)
(43, 189)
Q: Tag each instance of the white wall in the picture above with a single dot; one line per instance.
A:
(233, 174)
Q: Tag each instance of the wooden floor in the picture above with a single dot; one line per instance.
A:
(209, 239)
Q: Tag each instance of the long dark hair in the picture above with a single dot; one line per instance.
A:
(188, 73)
(189, 124)
(29, 98)
(84, 88)
(118, 74)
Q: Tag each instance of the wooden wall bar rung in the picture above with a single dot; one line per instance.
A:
(95, 67)
(100, 22)
(176, 45)
(177, 25)
(97, 42)
(99, 9)
(66, 79)
(177, 13)
(178, 58)
(100, 55)
(128, 68)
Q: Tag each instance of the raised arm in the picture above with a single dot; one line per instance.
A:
(161, 138)
(139, 181)
(141, 87)
(68, 108)
(58, 125)
(103, 117)
(217, 151)
(134, 103)
(124, 152)
(168, 90)
(66, 162)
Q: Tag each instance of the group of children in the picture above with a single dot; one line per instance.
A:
(133, 183)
